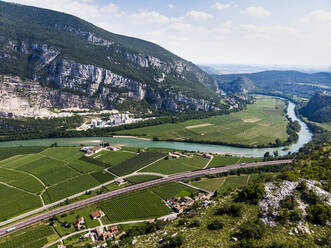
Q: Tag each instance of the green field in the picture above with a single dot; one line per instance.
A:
(136, 163)
(210, 185)
(20, 180)
(219, 161)
(15, 202)
(50, 171)
(170, 190)
(102, 176)
(172, 166)
(69, 187)
(34, 237)
(113, 158)
(261, 123)
(141, 178)
(139, 205)
(233, 182)
(72, 156)
(7, 152)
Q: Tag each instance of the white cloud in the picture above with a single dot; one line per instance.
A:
(317, 16)
(199, 15)
(149, 17)
(221, 6)
(171, 6)
(182, 27)
(256, 12)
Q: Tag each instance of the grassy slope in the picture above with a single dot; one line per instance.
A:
(261, 123)
(141, 178)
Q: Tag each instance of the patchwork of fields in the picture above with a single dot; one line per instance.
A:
(261, 123)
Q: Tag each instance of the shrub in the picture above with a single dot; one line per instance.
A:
(215, 225)
(319, 213)
(252, 193)
(233, 209)
(310, 197)
(172, 242)
(194, 223)
(289, 202)
(252, 230)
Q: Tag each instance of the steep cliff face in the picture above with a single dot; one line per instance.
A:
(70, 55)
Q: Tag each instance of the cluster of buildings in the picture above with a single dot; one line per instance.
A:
(179, 204)
(103, 234)
(116, 120)
(175, 155)
(90, 150)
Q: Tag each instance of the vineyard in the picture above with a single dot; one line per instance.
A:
(172, 166)
(136, 163)
(233, 182)
(20, 180)
(33, 238)
(113, 158)
(141, 178)
(170, 190)
(102, 176)
(14, 202)
(7, 152)
(139, 205)
(69, 187)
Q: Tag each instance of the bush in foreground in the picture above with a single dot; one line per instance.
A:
(216, 225)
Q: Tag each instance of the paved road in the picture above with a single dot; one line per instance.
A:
(98, 198)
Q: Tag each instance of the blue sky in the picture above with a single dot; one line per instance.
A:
(283, 32)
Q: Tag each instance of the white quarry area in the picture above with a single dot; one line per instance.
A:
(114, 120)
(275, 192)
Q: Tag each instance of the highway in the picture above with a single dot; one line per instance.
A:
(44, 216)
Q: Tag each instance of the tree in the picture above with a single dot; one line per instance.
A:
(215, 225)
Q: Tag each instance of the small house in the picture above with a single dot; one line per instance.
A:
(97, 214)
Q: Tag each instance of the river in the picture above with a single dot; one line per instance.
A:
(304, 137)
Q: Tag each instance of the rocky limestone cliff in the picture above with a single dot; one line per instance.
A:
(95, 86)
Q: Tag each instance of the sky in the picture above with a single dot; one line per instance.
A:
(268, 32)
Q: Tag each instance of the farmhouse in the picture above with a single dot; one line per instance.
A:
(113, 229)
(90, 150)
(207, 155)
(180, 204)
(97, 214)
(79, 223)
(113, 148)
(172, 156)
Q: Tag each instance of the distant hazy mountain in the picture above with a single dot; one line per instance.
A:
(104, 70)
(290, 84)
(238, 68)
(318, 108)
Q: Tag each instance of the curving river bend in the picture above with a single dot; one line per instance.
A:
(305, 136)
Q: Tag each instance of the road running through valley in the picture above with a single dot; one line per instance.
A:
(44, 216)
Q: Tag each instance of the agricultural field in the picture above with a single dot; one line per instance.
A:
(20, 180)
(113, 158)
(219, 160)
(19, 160)
(50, 171)
(233, 182)
(15, 202)
(136, 163)
(210, 185)
(7, 152)
(141, 178)
(72, 156)
(261, 123)
(139, 205)
(170, 190)
(34, 237)
(102, 176)
(69, 187)
(172, 166)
